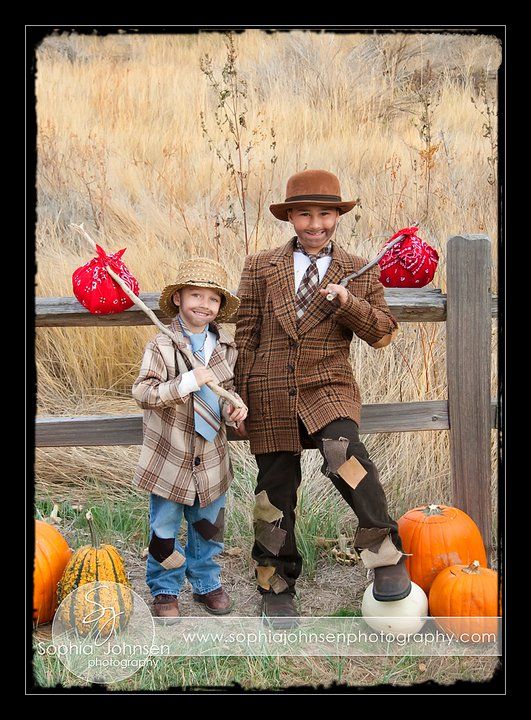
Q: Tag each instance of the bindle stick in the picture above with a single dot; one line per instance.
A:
(151, 315)
(369, 265)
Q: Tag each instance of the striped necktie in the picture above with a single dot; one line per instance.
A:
(207, 417)
(310, 279)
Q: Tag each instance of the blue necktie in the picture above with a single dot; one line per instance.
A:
(206, 403)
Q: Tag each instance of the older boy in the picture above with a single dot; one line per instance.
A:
(184, 463)
(293, 372)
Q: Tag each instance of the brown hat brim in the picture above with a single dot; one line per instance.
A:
(166, 304)
(280, 210)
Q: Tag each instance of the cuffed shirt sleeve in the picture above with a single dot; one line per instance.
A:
(152, 388)
(188, 384)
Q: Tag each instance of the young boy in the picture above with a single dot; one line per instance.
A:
(293, 371)
(184, 462)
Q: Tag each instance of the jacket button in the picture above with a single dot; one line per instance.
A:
(291, 367)
(292, 391)
(197, 461)
(293, 343)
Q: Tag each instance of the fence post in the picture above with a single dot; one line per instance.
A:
(468, 358)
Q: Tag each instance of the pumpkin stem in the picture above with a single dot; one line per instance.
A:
(93, 535)
(473, 568)
(432, 510)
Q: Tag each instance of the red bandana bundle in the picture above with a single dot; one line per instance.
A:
(95, 288)
(411, 262)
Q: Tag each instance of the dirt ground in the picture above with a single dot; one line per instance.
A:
(335, 586)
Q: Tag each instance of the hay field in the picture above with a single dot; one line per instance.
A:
(407, 122)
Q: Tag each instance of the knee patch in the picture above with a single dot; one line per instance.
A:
(335, 452)
(336, 463)
(162, 550)
(212, 531)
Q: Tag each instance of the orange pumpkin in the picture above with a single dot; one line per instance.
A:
(438, 536)
(51, 557)
(462, 597)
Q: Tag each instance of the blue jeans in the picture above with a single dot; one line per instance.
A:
(200, 568)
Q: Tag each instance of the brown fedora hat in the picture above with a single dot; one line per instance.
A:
(312, 187)
(200, 272)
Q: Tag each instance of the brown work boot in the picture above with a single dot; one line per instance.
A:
(391, 582)
(216, 602)
(279, 610)
(166, 606)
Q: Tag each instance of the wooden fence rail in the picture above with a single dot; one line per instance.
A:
(469, 413)
(409, 305)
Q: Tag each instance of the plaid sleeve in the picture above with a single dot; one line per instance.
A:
(232, 354)
(369, 317)
(152, 387)
(248, 325)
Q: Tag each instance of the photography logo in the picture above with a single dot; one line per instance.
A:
(103, 632)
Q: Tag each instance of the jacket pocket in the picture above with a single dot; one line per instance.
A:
(258, 396)
(260, 367)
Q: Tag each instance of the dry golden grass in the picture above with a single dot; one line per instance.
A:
(121, 148)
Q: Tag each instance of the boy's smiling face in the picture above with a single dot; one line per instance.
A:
(314, 225)
(197, 306)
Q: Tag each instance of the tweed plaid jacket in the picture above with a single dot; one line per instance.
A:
(285, 369)
(175, 461)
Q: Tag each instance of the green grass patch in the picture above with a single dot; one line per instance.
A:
(115, 522)
(346, 612)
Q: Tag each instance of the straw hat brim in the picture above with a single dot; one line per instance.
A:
(280, 210)
(166, 304)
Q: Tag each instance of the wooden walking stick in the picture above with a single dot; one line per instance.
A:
(151, 315)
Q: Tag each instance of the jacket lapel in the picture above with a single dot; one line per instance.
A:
(218, 360)
(320, 308)
(281, 286)
(182, 345)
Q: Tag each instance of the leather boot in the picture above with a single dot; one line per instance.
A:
(391, 582)
(279, 610)
(166, 606)
(216, 601)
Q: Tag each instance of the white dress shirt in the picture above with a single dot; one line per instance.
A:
(302, 261)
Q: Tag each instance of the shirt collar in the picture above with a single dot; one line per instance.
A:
(327, 250)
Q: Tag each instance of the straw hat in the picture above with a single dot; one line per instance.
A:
(312, 187)
(200, 272)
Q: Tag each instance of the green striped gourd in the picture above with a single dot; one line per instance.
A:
(92, 563)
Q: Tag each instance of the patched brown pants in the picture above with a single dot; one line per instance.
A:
(279, 476)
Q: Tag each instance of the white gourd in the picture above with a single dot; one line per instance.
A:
(399, 616)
